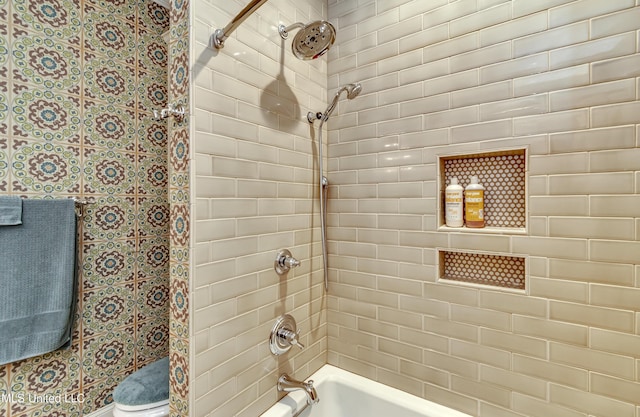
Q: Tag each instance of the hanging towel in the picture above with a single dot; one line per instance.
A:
(37, 280)
(10, 210)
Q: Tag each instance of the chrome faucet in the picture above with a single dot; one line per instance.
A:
(288, 384)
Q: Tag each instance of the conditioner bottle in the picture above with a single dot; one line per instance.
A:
(454, 213)
(474, 203)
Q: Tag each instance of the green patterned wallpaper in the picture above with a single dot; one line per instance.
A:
(179, 218)
(78, 82)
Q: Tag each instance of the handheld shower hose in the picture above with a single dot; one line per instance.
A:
(352, 90)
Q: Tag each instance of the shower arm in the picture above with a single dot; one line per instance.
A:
(221, 35)
(284, 31)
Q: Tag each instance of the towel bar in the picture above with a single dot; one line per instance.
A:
(81, 201)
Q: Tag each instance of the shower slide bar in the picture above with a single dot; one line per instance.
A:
(221, 35)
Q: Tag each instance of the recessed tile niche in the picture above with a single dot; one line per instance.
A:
(502, 271)
(503, 175)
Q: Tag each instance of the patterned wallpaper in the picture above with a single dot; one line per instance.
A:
(78, 82)
(179, 222)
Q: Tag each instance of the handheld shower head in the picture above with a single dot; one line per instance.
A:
(352, 90)
(312, 40)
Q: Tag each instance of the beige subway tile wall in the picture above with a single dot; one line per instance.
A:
(254, 169)
(557, 77)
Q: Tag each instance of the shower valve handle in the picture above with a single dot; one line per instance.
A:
(285, 261)
(284, 334)
(291, 262)
(291, 337)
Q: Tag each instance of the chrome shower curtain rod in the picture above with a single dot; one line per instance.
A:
(221, 35)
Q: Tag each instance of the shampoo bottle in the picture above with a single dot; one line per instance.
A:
(474, 203)
(453, 204)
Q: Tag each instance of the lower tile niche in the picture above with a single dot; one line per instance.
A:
(501, 271)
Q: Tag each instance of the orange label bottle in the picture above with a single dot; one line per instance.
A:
(474, 203)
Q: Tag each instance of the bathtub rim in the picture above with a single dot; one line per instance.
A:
(295, 401)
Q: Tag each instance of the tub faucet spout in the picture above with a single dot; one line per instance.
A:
(288, 384)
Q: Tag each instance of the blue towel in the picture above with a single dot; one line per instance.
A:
(37, 280)
(10, 210)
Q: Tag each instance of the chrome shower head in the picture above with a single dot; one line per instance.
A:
(312, 41)
(352, 90)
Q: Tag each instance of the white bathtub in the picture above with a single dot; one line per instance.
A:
(344, 394)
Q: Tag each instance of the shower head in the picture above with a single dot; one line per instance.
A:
(352, 90)
(312, 40)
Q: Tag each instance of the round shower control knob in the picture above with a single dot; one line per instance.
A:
(284, 261)
(284, 334)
